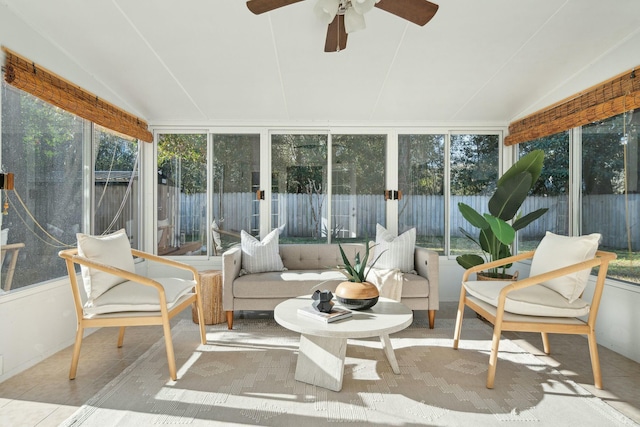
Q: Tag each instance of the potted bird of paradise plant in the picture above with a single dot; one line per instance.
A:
(497, 229)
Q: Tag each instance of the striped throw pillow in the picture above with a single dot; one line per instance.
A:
(260, 256)
(397, 251)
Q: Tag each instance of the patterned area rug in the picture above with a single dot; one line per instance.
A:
(246, 377)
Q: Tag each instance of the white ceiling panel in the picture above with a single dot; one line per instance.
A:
(213, 61)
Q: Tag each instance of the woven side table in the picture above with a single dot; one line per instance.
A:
(211, 288)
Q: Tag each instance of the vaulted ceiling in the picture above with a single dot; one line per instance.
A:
(213, 61)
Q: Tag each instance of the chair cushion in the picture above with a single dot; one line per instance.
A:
(133, 296)
(112, 249)
(555, 252)
(260, 256)
(395, 251)
(536, 300)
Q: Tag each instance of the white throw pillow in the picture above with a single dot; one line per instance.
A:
(113, 249)
(260, 256)
(396, 251)
(555, 252)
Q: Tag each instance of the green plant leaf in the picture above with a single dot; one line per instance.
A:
(503, 231)
(509, 196)
(531, 163)
(469, 236)
(472, 216)
(469, 260)
(522, 222)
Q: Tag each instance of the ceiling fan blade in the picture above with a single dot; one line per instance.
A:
(262, 6)
(417, 11)
(336, 35)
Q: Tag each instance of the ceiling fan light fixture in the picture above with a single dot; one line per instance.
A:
(326, 10)
(363, 6)
(353, 21)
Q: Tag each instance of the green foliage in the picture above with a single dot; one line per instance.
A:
(182, 158)
(358, 271)
(498, 227)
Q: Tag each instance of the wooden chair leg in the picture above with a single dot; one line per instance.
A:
(493, 359)
(76, 352)
(121, 337)
(171, 357)
(230, 319)
(459, 316)
(432, 319)
(200, 309)
(545, 343)
(595, 360)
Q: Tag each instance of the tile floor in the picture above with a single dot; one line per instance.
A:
(44, 396)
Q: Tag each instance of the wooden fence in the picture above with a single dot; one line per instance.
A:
(358, 215)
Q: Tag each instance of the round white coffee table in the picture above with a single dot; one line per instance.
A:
(323, 346)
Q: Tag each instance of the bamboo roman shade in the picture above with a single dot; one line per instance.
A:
(49, 87)
(608, 99)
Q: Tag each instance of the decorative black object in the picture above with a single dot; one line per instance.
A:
(322, 301)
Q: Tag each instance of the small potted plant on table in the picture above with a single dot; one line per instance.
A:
(356, 293)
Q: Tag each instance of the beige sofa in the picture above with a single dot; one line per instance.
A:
(310, 267)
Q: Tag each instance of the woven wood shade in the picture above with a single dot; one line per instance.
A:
(55, 90)
(608, 99)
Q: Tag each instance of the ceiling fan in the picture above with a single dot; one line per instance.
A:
(347, 16)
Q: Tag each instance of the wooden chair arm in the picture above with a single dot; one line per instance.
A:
(72, 255)
(165, 261)
(12, 246)
(601, 258)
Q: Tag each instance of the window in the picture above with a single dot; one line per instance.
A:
(551, 191)
(182, 194)
(474, 172)
(47, 150)
(116, 185)
(421, 180)
(299, 187)
(236, 178)
(610, 190)
(43, 147)
(358, 184)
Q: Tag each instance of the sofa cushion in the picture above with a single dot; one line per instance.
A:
(260, 256)
(112, 249)
(132, 296)
(290, 283)
(555, 252)
(534, 300)
(414, 286)
(286, 284)
(395, 251)
(317, 256)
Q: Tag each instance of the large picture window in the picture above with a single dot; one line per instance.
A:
(550, 191)
(43, 147)
(47, 149)
(358, 184)
(474, 172)
(182, 227)
(610, 190)
(236, 178)
(421, 180)
(116, 184)
(299, 187)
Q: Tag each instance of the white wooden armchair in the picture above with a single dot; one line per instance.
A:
(117, 296)
(550, 300)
